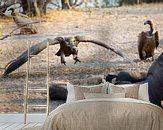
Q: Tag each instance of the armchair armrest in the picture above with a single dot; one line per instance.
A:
(162, 103)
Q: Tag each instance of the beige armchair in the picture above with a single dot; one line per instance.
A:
(162, 103)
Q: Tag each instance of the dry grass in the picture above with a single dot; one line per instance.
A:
(117, 27)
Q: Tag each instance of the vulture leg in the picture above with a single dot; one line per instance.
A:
(63, 61)
(144, 55)
(23, 58)
(153, 58)
(75, 57)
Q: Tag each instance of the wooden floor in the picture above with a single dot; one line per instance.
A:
(17, 126)
(16, 121)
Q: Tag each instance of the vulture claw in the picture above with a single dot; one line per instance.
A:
(64, 63)
(76, 60)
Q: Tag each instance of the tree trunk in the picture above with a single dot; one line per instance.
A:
(65, 4)
(68, 4)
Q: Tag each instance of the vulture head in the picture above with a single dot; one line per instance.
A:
(12, 9)
(60, 39)
(148, 42)
(150, 23)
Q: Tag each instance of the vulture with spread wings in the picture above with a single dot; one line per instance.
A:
(68, 46)
(148, 42)
(23, 21)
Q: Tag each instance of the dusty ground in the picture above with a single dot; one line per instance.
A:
(117, 27)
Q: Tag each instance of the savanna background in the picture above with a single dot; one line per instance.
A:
(116, 23)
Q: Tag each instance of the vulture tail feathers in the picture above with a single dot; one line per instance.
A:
(88, 39)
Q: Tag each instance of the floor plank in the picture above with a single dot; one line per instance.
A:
(13, 126)
(16, 121)
(39, 124)
(20, 118)
(6, 125)
(30, 125)
(21, 126)
(1, 124)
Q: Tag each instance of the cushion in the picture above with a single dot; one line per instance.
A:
(143, 92)
(79, 91)
(71, 91)
(130, 90)
(103, 95)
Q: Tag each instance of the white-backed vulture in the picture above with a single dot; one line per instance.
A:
(24, 22)
(148, 42)
(68, 46)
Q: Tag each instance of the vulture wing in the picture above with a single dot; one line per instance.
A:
(22, 20)
(23, 15)
(157, 39)
(23, 58)
(88, 39)
(141, 43)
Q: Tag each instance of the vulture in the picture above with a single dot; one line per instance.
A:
(148, 42)
(68, 46)
(24, 22)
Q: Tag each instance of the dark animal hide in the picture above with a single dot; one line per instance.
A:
(126, 77)
(154, 78)
(131, 76)
(155, 81)
(58, 92)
